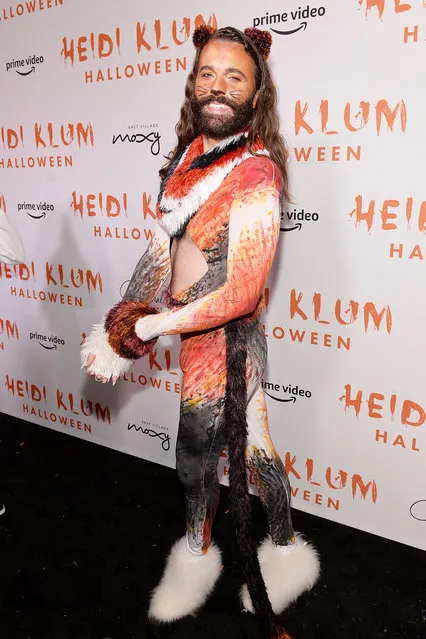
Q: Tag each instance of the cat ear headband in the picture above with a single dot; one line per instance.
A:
(262, 40)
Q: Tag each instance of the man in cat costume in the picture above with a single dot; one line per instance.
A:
(219, 204)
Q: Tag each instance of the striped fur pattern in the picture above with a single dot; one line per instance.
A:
(120, 325)
(195, 176)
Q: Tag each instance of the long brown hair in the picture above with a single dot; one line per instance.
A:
(265, 123)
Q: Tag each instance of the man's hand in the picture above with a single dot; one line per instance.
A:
(99, 378)
(99, 359)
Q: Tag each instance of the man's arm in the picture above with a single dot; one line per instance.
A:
(253, 234)
(96, 354)
(151, 271)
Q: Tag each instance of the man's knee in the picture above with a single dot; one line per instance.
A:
(188, 468)
(195, 474)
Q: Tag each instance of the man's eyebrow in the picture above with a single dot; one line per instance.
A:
(235, 70)
(208, 67)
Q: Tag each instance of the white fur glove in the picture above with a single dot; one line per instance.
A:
(107, 364)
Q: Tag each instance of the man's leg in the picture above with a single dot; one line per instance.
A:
(194, 563)
(289, 564)
(268, 471)
(200, 442)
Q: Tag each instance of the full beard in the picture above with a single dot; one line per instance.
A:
(219, 126)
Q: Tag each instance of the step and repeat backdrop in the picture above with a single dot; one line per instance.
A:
(90, 94)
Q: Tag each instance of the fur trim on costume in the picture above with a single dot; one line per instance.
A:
(286, 574)
(120, 324)
(202, 174)
(187, 581)
(107, 363)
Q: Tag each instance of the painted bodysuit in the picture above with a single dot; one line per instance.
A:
(227, 200)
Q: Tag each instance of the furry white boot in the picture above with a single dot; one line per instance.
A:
(107, 363)
(187, 581)
(286, 572)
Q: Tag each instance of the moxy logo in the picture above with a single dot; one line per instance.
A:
(152, 140)
(293, 220)
(153, 431)
(48, 342)
(283, 21)
(280, 392)
(19, 65)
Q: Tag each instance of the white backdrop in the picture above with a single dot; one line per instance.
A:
(91, 91)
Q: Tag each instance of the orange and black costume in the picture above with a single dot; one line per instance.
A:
(228, 201)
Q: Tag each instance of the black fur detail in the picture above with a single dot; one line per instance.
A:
(209, 157)
(181, 232)
(235, 420)
(182, 228)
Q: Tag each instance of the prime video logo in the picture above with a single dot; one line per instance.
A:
(18, 65)
(302, 14)
(39, 209)
(276, 391)
(50, 343)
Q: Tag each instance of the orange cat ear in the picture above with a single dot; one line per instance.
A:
(262, 40)
(202, 35)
